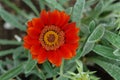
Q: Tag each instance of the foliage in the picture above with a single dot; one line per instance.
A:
(99, 22)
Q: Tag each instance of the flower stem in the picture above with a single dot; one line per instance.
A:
(54, 77)
(61, 68)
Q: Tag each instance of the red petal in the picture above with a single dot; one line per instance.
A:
(65, 52)
(29, 24)
(55, 58)
(37, 23)
(44, 17)
(71, 34)
(35, 49)
(39, 53)
(73, 48)
(28, 42)
(26, 45)
(57, 18)
(42, 57)
(65, 19)
(33, 32)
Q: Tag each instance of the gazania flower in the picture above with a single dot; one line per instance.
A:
(51, 37)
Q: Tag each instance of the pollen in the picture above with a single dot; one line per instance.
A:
(51, 37)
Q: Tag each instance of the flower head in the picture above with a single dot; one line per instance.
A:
(51, 37)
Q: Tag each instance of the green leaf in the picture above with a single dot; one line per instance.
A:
(117, 52)
(98, 9)
(11, 19)
(97, 34)
(16, 8)
(77, 55)
(55, 4)
(9, 42)
(113, 38)
(48, 68)
(105, 52)
(94, 36)
(113, 7)
(62, 1)
(12, 73)
(112, 69)
(9, 51)
(31, 5)
(38, 72)
(89, 3)
(30, 65)
(69, 10)
(92, 26)
(6, 52)
(87, 48)
(77, 11)
(41, 4)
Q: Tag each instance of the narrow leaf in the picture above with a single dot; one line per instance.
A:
(15, 7)
(6, 52)
(48, 68)
(10, 51)
(112, 69)
(69, 10)
(97, 34)
(87, 48)
(12, 73)
(41, 4)
(113, 38)
(11, 19)
(105, 52)
(55, 4)
(31, 5)
(9, 42)
(30, 65)
(77, 11)
(113, 7)
(94, 36)
(92, 26)
(117, 52)
(62, 1)
(98, 9)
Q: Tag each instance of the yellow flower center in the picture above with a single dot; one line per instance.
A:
(51, 37)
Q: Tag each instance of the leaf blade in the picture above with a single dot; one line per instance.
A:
(113, 38)
(112, 69)
(9, 42)
(77, 11)
(105, 52)
(11, 19)
(97, 34)
(31, 5)
(12, 73)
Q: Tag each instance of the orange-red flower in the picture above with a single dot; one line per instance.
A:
(51, 37)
